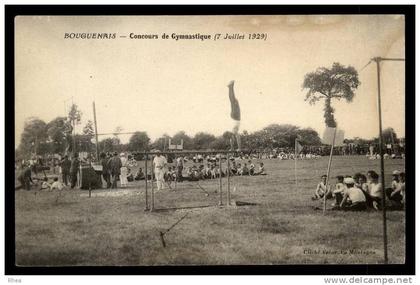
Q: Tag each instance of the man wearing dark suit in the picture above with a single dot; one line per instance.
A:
(74, 168)
(65, 169)
(114, 168)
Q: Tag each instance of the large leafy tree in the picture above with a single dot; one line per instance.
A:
(389, 135)
(107, 145)
(88, 129)
(203, 140)
(139, 141)
(34, 134)
(338, 82)
(56, 130)
(181, 135)
(308, 136)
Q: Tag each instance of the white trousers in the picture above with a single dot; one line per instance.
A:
(159, 173)
(123, 176)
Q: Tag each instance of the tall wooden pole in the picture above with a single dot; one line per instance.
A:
(96, 131)
(328, 170)
(381, 153)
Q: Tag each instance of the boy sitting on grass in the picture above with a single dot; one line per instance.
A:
(57, 184)
(261, 170)
(338, 192)
(353, 199)
(45, 185)
(321, 188)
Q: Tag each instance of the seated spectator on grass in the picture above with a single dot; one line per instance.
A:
(402, 185)
(139, 175)
(195, 174)
(261, 169)
(361, 182)
(395, 179)
(213, 171)
(338, 191)
(57, 184)
(251, 168)
(45, 185)
(130, 177)
(374, 190)
(321, 188)
(394, 192)
(189, 172)
(233, 168)
(244, 170)
(353, 198)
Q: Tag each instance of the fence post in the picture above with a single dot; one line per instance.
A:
(220, 180)
(228, 180)
(152, 206)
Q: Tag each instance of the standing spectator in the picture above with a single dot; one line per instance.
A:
(179, 168)
(65, 169)
(114, 167)
(105, 170)
(74, 168)
(159, 164)
(25, 177)
(124, 170)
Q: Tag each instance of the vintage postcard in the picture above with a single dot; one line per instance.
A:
(172, 140)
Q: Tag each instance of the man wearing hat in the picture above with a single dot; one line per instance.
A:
(353, 198)
(159, 164)
(114, 168)
(105, 171)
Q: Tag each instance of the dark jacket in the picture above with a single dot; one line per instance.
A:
(65, 165)
(104, 163)
(74, 167)
(114, 165)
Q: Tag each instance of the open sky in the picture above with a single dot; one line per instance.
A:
(163, 86)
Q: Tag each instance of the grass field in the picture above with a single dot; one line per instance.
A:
(283, 227)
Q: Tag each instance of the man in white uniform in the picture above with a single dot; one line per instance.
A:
(159, 164)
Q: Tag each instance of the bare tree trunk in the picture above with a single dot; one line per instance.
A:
(329, 113)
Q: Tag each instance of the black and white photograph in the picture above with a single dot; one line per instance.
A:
(203, 140)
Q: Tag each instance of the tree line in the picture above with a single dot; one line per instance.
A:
(338, 82)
